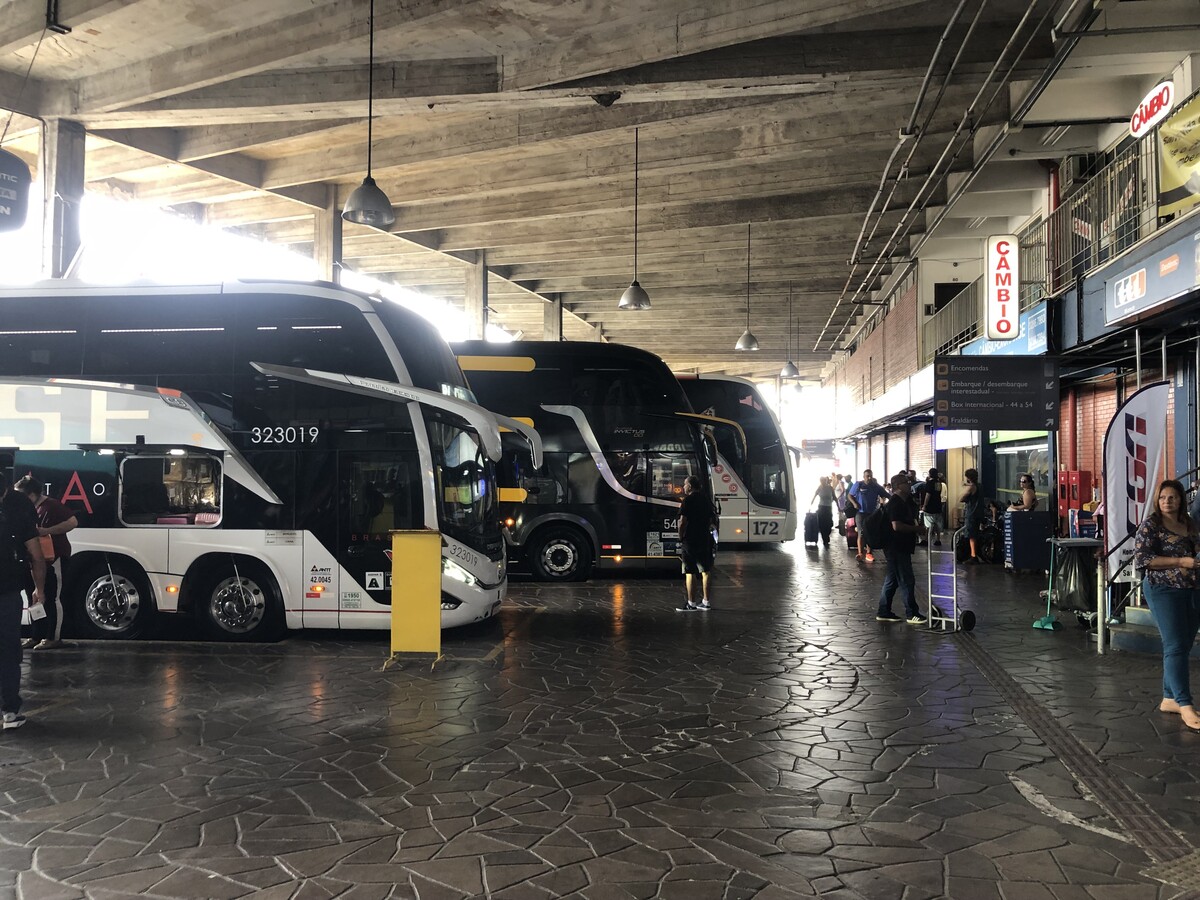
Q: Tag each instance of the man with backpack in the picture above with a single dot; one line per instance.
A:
(866, 496)
(895, 527)
(20, 554)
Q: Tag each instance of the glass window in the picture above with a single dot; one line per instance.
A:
(465, 484)
(141, 338)
(668, 472)
(42, 338)
(170, 490)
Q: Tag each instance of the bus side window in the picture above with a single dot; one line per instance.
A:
(162, 490)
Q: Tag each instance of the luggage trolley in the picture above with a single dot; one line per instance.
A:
(943, 585)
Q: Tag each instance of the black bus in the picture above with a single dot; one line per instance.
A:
(618, 441)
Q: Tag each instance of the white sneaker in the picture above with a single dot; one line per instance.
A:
(703, 605)
(13, 720)
(916, 620)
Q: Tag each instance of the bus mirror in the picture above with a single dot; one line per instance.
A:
(527, 432)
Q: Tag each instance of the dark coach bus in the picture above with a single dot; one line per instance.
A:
(618, 441)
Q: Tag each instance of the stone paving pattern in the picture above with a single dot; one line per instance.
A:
(592, 742)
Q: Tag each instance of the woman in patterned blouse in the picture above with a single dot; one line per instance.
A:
(1165, 550)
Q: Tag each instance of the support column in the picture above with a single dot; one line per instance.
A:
(327, 238)
(62, 183)
(552, 319)
(477, 297)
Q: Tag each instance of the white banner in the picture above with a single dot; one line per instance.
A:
(1134, 454)
(1003, 282)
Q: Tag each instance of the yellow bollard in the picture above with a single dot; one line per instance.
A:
(417, 592)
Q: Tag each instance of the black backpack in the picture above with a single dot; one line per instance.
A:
(877, 529)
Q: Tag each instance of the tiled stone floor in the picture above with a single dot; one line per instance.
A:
(592, 742)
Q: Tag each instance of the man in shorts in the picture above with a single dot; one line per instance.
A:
(696, 544)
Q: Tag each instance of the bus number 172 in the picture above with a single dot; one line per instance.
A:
(762, 528)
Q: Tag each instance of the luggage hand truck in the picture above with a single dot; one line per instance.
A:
(939, 582)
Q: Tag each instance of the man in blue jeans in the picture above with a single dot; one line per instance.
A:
(20, 553)
(903, 518)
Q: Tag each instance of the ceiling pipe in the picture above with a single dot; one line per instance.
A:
(967, 121)
(1038, 88)
(1114, 32)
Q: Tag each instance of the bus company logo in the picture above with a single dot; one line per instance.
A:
(1136, 474)
(1130, 289)
(630, 431)
(177, 402)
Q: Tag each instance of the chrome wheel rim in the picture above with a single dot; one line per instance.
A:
(237, 605)
(112, 603)
(560, 557)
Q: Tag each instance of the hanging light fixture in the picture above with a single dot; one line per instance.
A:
(368, 205)
(790, 370)
(747, 341)
(635, 297)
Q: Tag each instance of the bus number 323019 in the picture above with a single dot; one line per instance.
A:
(290, 435)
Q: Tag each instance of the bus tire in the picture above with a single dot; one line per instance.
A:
(241, 606)
(560, 553)
(112, 601)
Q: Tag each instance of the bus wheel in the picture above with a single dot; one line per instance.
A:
(239, 605)
(560, 554)
(113, 603)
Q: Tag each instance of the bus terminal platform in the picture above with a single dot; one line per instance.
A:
(593, 742)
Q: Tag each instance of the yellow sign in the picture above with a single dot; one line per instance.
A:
(417, 592)
(1179, 159)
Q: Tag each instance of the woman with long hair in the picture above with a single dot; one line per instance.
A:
(1165, 549)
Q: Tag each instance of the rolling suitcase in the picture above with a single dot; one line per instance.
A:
(810, 528)
(851, 534)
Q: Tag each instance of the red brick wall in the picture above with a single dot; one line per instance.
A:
(885, 357)
(1095, 406)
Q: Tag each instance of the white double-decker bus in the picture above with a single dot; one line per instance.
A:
(240, 452)
(752, 484)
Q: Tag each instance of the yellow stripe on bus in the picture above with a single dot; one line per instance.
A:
(496, 363)
(513, 495)
(524, 420)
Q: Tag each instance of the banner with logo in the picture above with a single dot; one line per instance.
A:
(1134, 460)
(1179, 159)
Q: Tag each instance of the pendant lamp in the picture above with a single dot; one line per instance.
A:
(790, 370)
(368, 204)
(747, 341)
(635, 297)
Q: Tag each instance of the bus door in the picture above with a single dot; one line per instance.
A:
(379, 492)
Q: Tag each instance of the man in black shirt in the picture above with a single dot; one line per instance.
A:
(696, 521)
(899, 551)
(20, 553)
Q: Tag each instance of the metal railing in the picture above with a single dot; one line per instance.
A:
(1113, 211)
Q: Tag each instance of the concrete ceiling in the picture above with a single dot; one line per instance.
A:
(504, 130)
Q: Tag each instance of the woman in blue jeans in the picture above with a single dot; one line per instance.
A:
(1165, 549)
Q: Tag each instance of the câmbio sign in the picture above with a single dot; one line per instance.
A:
(1002, 279)
(1153, 108)
(14, 191)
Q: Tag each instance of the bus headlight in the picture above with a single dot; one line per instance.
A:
(451, 569)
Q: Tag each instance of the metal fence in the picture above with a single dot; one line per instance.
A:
(1115, 209)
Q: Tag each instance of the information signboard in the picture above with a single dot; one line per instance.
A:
(14, 191)
(995, 392)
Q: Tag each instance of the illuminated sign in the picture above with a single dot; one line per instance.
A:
(1153, 108)
(14, 191)
(1003, 279)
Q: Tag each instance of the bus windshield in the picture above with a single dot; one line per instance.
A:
(465, 483)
